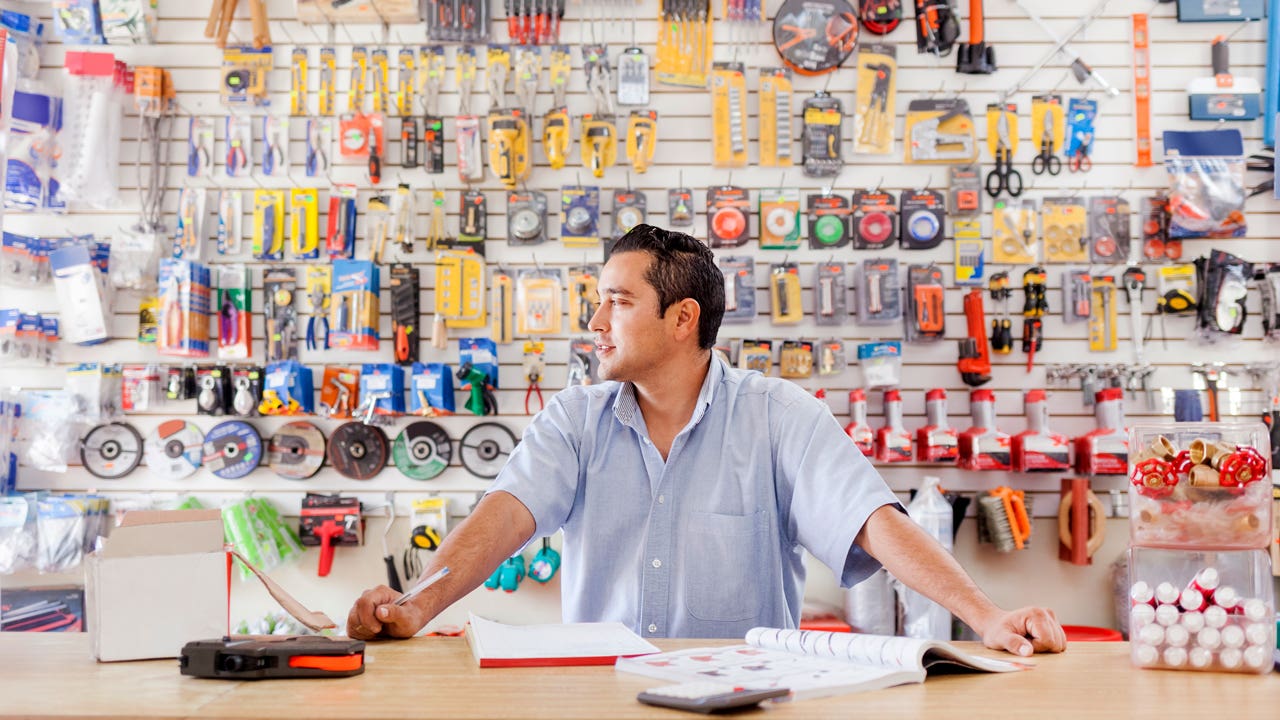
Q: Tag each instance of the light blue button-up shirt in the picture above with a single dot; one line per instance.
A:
(707, 543)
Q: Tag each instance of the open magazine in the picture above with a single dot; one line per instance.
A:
(813, 664)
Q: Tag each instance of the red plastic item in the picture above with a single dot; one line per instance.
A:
(1088, 633)
(1156, 478)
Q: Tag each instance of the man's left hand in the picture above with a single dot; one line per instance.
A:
(1025, 631)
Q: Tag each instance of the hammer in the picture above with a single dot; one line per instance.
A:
(1212, 373)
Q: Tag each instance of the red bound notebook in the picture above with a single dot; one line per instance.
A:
(495, 644)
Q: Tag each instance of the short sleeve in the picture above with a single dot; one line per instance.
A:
(543, 472)
(832, 488)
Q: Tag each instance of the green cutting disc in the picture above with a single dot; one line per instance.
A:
(422, 450)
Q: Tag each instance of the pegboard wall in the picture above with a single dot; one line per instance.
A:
(1179, 52)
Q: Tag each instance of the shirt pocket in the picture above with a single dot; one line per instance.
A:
(722, 554)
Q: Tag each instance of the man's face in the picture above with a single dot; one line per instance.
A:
(631, 339)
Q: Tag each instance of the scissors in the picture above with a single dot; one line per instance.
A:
(1080, 161)
(1004, 178)
(1046, 161)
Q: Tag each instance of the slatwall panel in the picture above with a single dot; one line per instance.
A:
(1180, 52)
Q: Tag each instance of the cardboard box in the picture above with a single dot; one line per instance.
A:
(159, 582)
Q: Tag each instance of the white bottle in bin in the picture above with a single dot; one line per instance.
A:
(923, 618)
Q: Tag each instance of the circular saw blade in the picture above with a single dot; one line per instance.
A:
(174, 449)
(358, 451)
(484, 449)
(232, 449)
(422, 450)
(111, 451)
(296, 450)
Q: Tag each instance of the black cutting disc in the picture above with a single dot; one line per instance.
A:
(484, 449)
(296, 451)
(111, 451)
(358, 451)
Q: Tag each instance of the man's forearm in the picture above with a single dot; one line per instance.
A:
(498, 527)
(915, 558)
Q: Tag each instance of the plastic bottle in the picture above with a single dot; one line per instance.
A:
(923, 618)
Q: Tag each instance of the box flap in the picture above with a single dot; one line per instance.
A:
(170, 532)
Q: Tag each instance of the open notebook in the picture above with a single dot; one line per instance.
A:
(814, 664)
(496, 644)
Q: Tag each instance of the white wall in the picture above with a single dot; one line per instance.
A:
(1079, 594)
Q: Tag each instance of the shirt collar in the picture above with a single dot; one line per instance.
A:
(626, 408)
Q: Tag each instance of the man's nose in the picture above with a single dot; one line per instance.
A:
(599, 319)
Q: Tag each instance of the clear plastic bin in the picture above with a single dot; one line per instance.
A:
(1208, 611)
(1200, 486)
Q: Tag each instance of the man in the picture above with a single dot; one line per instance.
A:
(687, 489)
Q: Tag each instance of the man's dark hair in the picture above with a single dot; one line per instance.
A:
(682, 268)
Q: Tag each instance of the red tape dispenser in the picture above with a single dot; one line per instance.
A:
(259, 657)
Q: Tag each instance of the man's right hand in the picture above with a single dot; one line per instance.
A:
(374, 617)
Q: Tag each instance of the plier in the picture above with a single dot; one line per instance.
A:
(1262, 163)
(319, 321)
(533, 367)
(236, 158)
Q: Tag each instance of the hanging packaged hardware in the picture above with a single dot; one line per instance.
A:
(473, 221)
(775, 117)
(1013, 231)
(304, 223)
(924, 219)
(502, 306)
(729, 115)
(319, 288)
(1048, 124)
(1268, 278)
(970, 253)
(1207, 193)
(406, 96)
(188, 238)
(633, 73)
(939, 131)
(1223, 96)
(354, 306)
(403, 212)
(1081, 114)
(280, 314)
(527, 68)
(459, 294)
(630, 208)
(642, 138)
(200, 147)
(328, 74)
(815, 36)
(1077, 296)
(230, 221)
(246, 390)
(1063, 222)
(1176, 289)
(340, 236)
(795, 359)
(876, 99)
(830, 294)
(213, 390)
(319, 146)
(405, 289)
(436, 236)
(526, 217)
(339, 391)
(579, 215)
(739, 287)
(357, 89)
(728, 216)
(779, 218)
(1108, 229)
(1035, 307)
(244, 76)
(1157, 246)
(685, 42)
(235, 318)
(599, 143)
(1002, 142)
(268, 224)
(1223, 279)
(821, 139)
(510, 145)
(275, 145)
(937, 27)
(785, 293)
(299, 60)
(557, 129)
(239, 145)
(430, 80)
(875, 219)
(680, 207)
(377, 226)
(380, 70)
(466, 125)
(828, 219)
(1102, 318)
(538, 294)
(1001, 327)
(966, 190)
(879, 298)
(584, 299)
(880, 17)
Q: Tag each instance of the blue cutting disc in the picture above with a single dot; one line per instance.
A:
(232, 449)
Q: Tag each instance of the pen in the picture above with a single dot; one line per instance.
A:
(416, 589)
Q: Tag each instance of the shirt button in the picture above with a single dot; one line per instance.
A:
(657, 563)
(662, 499)
(653, 628)
(646, 441)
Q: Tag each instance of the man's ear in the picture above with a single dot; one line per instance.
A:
(687, 313)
